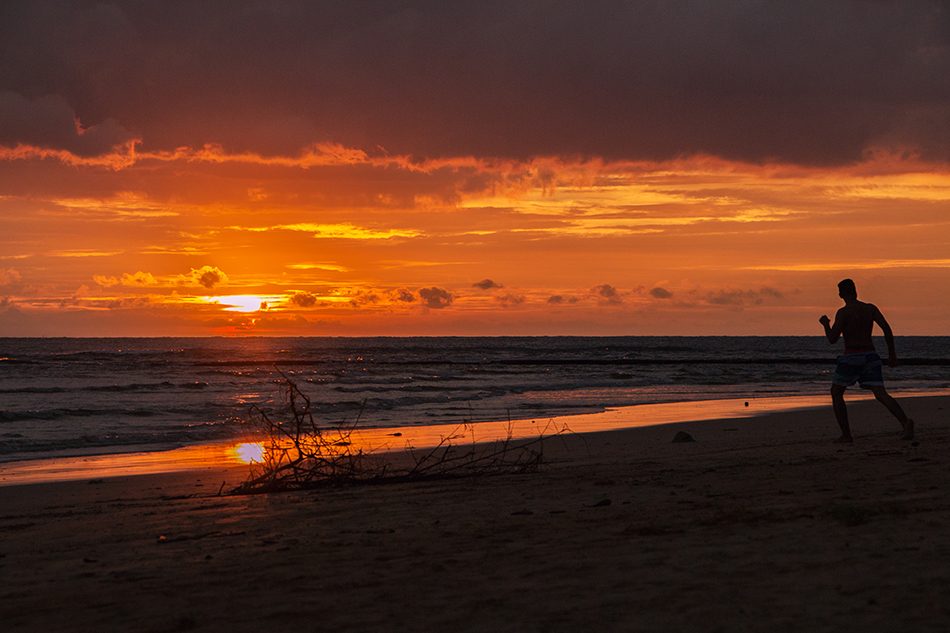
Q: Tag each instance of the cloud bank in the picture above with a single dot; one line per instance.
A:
(811, 82)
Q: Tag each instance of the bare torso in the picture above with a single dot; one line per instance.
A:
(855, 321)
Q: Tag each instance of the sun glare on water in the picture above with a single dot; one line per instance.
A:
(250, 453)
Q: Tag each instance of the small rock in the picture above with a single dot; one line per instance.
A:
(682, 436)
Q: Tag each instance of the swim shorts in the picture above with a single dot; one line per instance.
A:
(860, 367)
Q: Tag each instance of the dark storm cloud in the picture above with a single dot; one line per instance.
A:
(812, 82)
(660, 293)
(50, 122)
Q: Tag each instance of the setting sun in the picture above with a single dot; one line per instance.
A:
(241, 303)
(618, 196)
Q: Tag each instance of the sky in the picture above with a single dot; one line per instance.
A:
(536, 167)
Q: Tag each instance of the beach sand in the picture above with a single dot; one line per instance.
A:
(760, 524)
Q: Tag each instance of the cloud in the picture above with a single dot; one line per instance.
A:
(660, 293)
(435, 298)
(303, 300)
(49, 122)
(486, 284)
(8, 276)
(737, 297)
(344, 230)
(510, 300)
(139, 278)
(128, 303)
(206, 277)
(364, 297)
(638, 80)
(106, 282)
(607, 295)
(402, 295)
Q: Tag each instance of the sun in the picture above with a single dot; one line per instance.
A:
(241, 303)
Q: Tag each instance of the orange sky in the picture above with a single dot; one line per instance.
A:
(173, 217)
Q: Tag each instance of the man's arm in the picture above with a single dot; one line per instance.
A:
(888, 337)
(832, 332)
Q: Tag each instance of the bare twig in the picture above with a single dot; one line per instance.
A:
(300, 453)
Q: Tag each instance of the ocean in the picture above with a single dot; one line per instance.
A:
(84, 396)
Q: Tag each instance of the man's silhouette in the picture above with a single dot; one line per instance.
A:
(860, 363)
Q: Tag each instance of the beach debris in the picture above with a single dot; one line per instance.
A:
(300, 453)
(600, 504)
(682, 436)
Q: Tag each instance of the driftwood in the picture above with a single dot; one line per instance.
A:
(299, 453)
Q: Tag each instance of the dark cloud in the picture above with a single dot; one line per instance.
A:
(661, 293)
(209, 276)
(811, 82)
(738, 297)
(486, 284)
(402, 295)
(435, 298)
(607, 295)
(556, 299)
(49, 122)
(364, 297)
(510, 300)
(303, 300)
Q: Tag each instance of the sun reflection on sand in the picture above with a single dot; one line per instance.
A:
(249, 452)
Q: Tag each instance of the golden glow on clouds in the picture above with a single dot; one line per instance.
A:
(871, 265)
(125, 204)
(331, 267)
(336, 231)
(334, 241)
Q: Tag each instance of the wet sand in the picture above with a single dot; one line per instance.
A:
(761, 523)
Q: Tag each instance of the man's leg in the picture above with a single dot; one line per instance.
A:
(896, 410)
(841, 413)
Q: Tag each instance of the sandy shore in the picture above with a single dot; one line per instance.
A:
(760, 524)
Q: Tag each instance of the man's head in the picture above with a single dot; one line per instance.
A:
(846, 289)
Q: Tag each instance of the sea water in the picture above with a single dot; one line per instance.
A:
(108, 395)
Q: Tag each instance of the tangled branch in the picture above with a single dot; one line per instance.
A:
(299, 453)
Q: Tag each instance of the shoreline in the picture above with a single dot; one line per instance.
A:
(759, 524)
(395, 439)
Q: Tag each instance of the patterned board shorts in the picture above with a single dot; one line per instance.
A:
(860, 367)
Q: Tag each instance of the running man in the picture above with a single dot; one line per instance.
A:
(860, 363)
